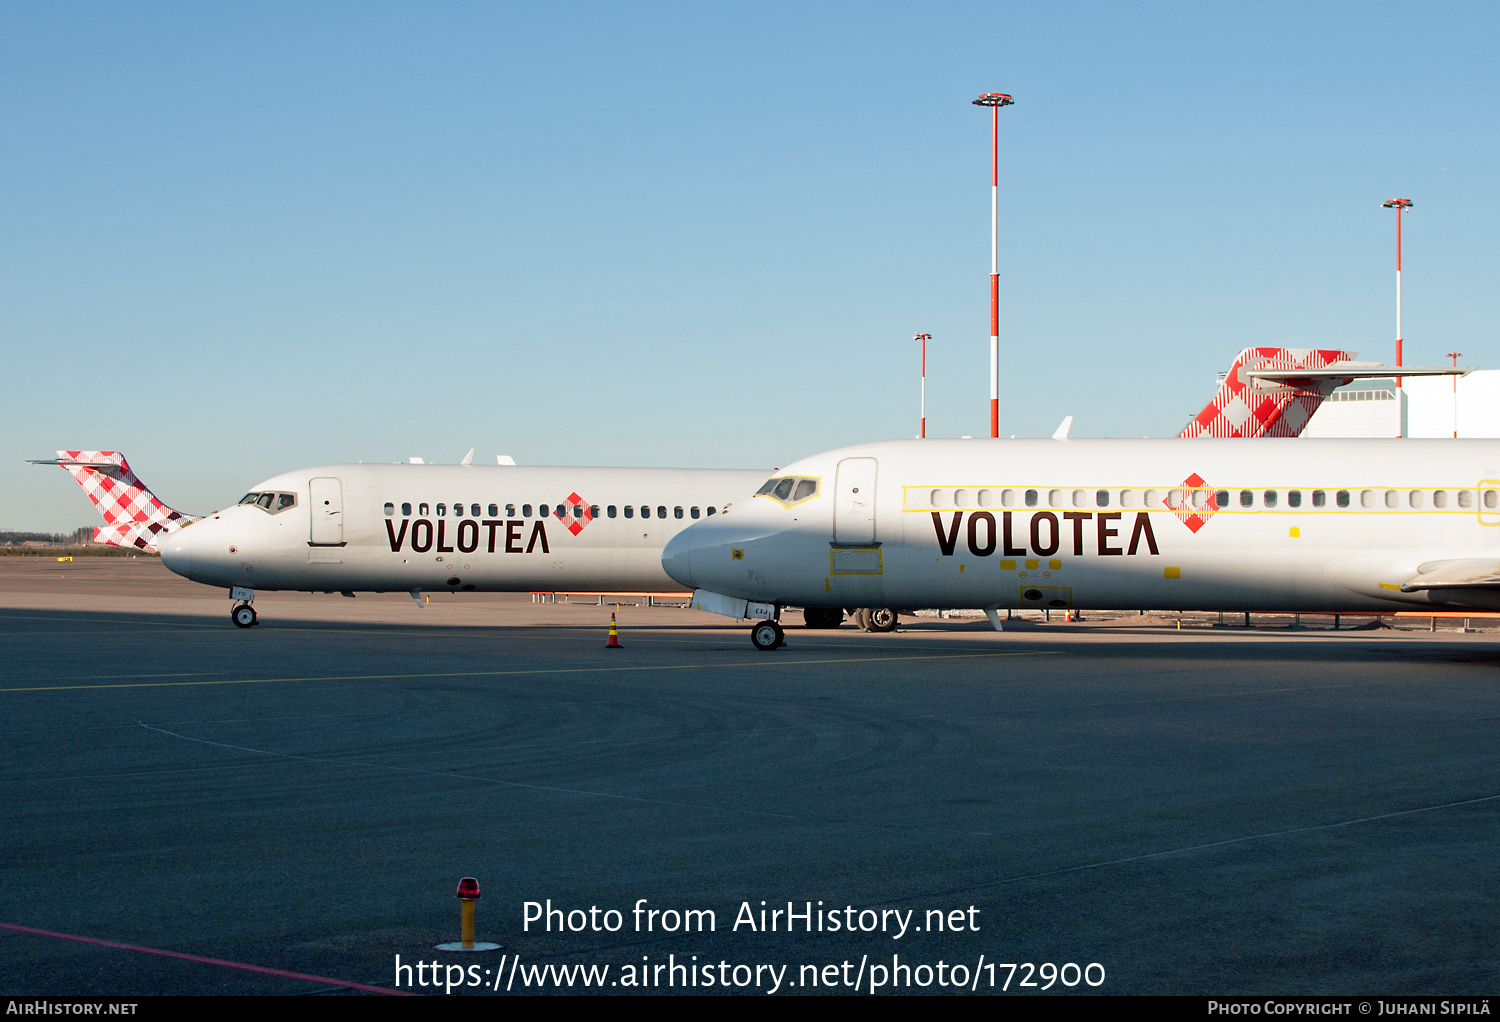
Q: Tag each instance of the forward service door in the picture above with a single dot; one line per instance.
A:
(327, 508)
(854, 502)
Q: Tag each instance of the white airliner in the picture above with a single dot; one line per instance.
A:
(416, 527)
(1270, 524)
(461, 528)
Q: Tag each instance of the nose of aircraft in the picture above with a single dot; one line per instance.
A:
(176, 551)
(677, 557)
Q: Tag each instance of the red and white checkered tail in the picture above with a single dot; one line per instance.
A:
(1246, 407)
(132, 514)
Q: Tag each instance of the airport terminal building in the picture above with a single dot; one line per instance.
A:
(1424, 406)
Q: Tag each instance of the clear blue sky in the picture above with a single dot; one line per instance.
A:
(239, 239)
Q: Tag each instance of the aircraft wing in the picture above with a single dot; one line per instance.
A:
(1459, 573)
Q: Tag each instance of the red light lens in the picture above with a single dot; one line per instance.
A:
(468, 888)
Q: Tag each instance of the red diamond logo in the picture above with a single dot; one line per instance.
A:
(579, 513)
(1194, 503)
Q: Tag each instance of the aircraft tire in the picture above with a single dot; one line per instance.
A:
(881, 619)
(767, 635)
(862, 618)
(243, 615)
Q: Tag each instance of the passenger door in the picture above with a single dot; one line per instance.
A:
(327, 510)
(854, 502)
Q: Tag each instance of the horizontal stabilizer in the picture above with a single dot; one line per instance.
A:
(1345, 371)
(1460, 573)
(132, 514)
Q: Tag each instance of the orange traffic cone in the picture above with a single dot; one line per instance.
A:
(614, 635)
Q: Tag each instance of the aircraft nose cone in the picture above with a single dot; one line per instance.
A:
(677, 557)
(177, 553)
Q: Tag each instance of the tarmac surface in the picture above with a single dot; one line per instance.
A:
(1205, 811)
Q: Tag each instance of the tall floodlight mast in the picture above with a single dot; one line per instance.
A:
(1400, 206)
(994, 100)
(924, 338)
(1455, 356)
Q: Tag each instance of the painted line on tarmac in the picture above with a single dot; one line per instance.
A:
(220, 962)
(549, 670)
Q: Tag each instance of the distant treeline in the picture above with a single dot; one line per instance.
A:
(78, 543)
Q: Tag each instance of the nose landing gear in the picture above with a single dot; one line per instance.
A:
(242, 613)
(767, 635)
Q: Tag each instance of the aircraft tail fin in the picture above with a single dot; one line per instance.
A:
(132, 514)
(1247, 406)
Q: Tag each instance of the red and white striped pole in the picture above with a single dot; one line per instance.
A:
(1454, 355)
(1400, 206)
(924, 338)
(994, 100)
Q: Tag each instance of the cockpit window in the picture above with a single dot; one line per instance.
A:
(266, 499)
(270, 501)
(249, 498)
(285, 500)
(789, 490)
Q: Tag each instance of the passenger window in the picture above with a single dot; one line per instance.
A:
(805, 489)
(693, 512)
(1366, 498)
(1031, 498)
(442, 509)
(390, 509)
(677, 512)
(1221, 499)
(1198, 497)
(1055, 498)
(474, 510)
(1491, 499)
(577, 510)
(542, 510)
(1127, 498)
(629, 511)
(1270, 498)
(265, 500)
(1150, 498)
(593, 510)
(1293, 498)
(1102, 498)
(422, 510)
(960, 498)
(661, 512)
(525, 510)
(1392, 499)
(562, 511)
(406, 510)
(645, 510)
(1465, 498)
(1341, 498)
(510, 510)
(1415, 498)
(784, 489)
(1079, 498)
(612, 511)
(1247, 498)
(1007, 498)
(711, 510)
(1319, 498)
(1439, 498)
(986, 498)
(937, 498)
(1174, 499)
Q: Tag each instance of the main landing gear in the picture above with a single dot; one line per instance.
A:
(767, 635)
